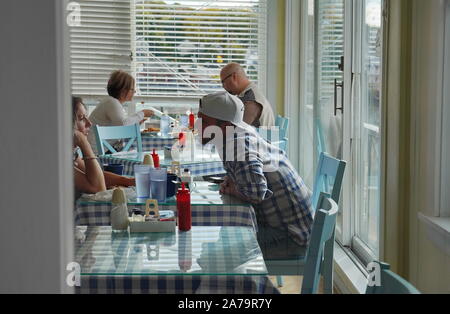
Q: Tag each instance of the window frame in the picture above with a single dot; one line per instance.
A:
(444, 201)
(357, 245)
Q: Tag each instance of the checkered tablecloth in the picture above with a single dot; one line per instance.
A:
(197, 169)
(176, 285)
(122, 262)
(150, 142)
(98, 214)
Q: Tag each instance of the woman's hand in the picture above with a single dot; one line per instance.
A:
(148, 113)
(79, 139)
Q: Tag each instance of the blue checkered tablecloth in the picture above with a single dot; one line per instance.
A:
(205, 260)
(98, 214)
(197, 169)
(150, 142)
(176, 285)
(208, 206)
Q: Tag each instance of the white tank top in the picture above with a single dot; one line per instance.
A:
(252, 93)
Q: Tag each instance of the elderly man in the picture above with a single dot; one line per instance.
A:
(278, 194)
(258, 111)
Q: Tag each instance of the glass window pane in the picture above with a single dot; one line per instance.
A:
(368, 129)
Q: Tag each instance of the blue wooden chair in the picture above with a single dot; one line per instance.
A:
(105, 133)
(280, 137)
(283, 125)
(329, 177)
(321, 236)
(390, 283)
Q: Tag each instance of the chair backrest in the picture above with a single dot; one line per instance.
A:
(105, 133)
(283, 124)
(322, 234)
(390, 283)
(277, 137)
(329, 176)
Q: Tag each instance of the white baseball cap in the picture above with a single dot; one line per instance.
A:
(223, 106)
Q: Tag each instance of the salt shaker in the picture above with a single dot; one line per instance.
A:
(119, 212)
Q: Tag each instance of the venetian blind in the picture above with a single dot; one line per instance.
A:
(330, 41)
(180, 46)
(100, 45)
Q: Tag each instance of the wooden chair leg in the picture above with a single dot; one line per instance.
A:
(327, 268)
(280, 281)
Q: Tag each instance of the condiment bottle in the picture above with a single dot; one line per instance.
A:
(184, 209)
(119, 212)
(191, 120)
(155, 157)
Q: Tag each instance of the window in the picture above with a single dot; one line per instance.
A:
(173, 48)
(321, 128)
(100, 45)
(352, 29)
(181, 46)
(366, 150)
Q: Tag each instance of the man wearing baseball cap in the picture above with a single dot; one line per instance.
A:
(280, 197)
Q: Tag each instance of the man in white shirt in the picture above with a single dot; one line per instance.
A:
(258, 111)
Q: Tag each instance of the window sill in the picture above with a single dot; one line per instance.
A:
(438, 231)
(349, 278)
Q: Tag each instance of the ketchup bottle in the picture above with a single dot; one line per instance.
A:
(184, 209)
(191, 120)
(155, 158)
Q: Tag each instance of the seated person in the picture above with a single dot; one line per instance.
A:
(110, 111)
(281, 200)
(89, 176)
(257, 109)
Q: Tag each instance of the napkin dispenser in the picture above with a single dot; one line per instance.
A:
(154, 219)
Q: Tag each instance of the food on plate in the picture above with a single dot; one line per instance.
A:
(150, 130)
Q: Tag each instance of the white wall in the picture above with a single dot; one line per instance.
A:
(35, 182)
(429, 265)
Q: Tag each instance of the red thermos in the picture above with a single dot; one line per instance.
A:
(191, 121)
(184, 209)
(155, 157)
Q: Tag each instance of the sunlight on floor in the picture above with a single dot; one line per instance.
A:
(292, 284)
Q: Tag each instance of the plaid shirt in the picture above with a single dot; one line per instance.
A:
(265, 175)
